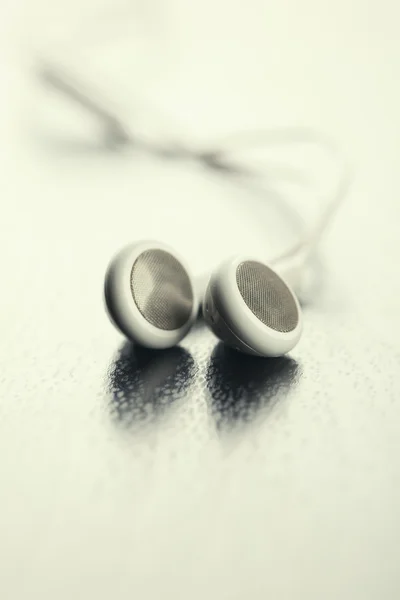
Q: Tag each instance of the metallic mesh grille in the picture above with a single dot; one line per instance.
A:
(267, 296)
(161, 289)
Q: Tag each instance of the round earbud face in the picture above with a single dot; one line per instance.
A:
(150, 295)
(251, 308)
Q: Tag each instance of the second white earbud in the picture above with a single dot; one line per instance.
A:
(252, 309)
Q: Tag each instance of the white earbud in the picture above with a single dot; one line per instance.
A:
(251, 308)
(150, 294)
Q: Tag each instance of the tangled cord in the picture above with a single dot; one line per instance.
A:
(220, 157)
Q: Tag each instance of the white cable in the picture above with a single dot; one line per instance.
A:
(219, 155)
(295, 135)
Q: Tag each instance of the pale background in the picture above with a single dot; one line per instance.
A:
(301, 503)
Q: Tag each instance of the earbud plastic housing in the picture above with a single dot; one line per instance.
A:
(124, 311)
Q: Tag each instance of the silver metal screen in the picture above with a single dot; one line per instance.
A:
(267, 296)
(161, 289)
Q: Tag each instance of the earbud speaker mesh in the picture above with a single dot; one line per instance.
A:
(267, 296)
(161, 289)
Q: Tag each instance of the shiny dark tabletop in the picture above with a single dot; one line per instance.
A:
(197, 472)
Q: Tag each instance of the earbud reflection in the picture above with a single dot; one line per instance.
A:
(143, 383)
(241, 387)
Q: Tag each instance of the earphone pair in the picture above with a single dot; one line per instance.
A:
(153, 299)
(150, 294)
